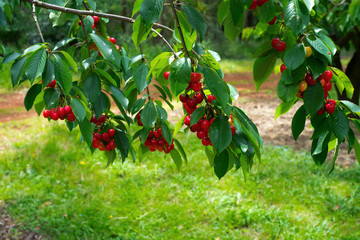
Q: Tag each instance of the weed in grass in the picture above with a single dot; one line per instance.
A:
(50, 182)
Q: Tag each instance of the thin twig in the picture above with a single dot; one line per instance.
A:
(37, 23)
(86, 7)
(179, 28)
(88, 13)
(85, 35)
(143, 59)
(167, 43)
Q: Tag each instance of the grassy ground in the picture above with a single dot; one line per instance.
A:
(55, 185)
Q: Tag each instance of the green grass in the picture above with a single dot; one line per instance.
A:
(236, 66)
(50, 182)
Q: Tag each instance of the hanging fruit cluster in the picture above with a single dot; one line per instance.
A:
(156, 141)
(61, 113)
(103, 135)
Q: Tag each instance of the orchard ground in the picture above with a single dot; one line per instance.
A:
(54, 186)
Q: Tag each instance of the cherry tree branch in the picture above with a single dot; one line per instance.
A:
(88, 13)
(167, 43)
(179, 28)
(85, 35)
(37, 23)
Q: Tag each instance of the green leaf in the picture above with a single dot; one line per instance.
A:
(233, 31)
(320, 158)
(70, 61)
(63, 42)
(320, 142)
(197, 115)
(137, 6)
(162, 113)
(92, 87)
(320, 47)
(150, 10)
(357, 150)
(223, 11)
(107, 49)
(49, 73)
(217, 86)
(159, 63)
(267, 11)
(263, 67)
(180, 75)
(329, 42)
(140, 31)
(166, 132)
(295, 56)
(221, 163)
(220, 133)
(196, 20)
(298, 122)
(78, 109)
(351, 106)
(210, 60)
(317, 66)
(119, 96)
(39, 103)
(35, 64)
(314, 98)
(339, 124)
(17, 70)
(122, 142)
(210, 155)
(181, 149)
(236, 9)
(284, 107)
(31, 95)
(286, 77)
(296, 16)
(149, 115)
(189, 34)
(86, 131)
(51, 96)
(140, 77)
(177, 158)
(287, 92)
(105, 75)
(101, 104)
(354, 11)
(341, 76)
(309, 4)
(62, 74)
(178, 125)
(11, 57)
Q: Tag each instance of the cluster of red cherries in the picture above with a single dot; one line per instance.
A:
(259, 3)
(156, 141)
(278, 45)
(60, 113)
(103, 139)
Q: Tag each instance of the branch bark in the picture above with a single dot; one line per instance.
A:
(37, 23)
(179, 28)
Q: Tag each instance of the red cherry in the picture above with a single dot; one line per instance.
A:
(206, 141)
(330, 108)
(321, 111)
(112, 144)
(327, 86)
(197, 127)
(200, 134)
(95, 144)
(98, 136)
(62, 117)
(196, 86)
(195, 77)
(211, 98)
(102, 119)
(166, 75)
(331, 101)
(52, 84)
(61, 111)
(183, 97)
(138, 116)
(272, 22)
(233, 130)
(153, 148)
(101, 147)
(192, 128)
(275, 42)
(68, 109)
(205, 125)
(113, 40)
(160, 142)
(188, 109)
(105, 137)
(80, 23)
(198, 97)
(153, 142)
(282, 68)
(191, 103)
(326, 94)
(253, 5)
(94, 26)
(160, 148)
(54, 116)
(187, 120)
(157, 134)
(147, 143)
(108, 147)
(46, 113)
(151, 134)
(96, 19)
(140, 123)
(261, 2)
(280, 47)
(309, 78)
(111, 132)
(328, 75)
(211, 121)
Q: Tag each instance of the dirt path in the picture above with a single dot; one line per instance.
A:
(260, 106)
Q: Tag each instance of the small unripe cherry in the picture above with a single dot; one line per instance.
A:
(328, 75)
(327, 86)
(166, 75)
(322, 81)
(308, 51)
(282, 68)
(196, 86)
(330, 108)
(96, 19)
(302, 86)
(198, 97)
(117, 47)
(46, 113)
(187, 120)
(211, 98)
(195, 77)
(272, 22)
(233, 130)
(253, 5)
(309, 78)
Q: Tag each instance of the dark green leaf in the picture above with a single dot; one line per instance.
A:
(86, 131)
(296, 16)
(62, 74)
(339, 124)
(221, 163)
(180, 75)
(92, 87)
(314, 98)
(149, 115)
(232, 31)
(181, 149)
(320, 158)
(287, 92)
(17, 70)
(197, 115)
(35, 64)
(166, 132)
(11, 57)
(263, 67)
(51, 96)
(140, 31)
(220, 133)
(150, 10)
(78, 109)
(49, 73)
(63, 42)
(316, 65)
(122, 142)
(120, 97)
(107, 49)
(177, 158)
(196, 20)
(31, 95)
(320, 47)
(295, 56)
(267, 11)
(236, 10)
(217, 86)
(341, 76)
(298, 122)
(284, 107)
(101, 104)
(162, 113)
(140, 77)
